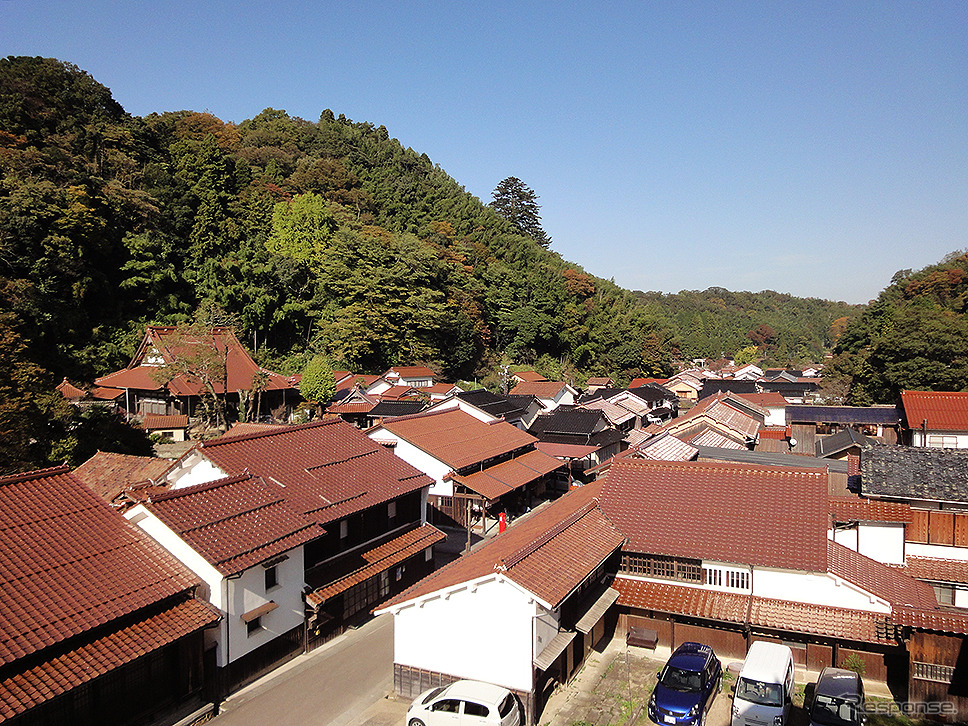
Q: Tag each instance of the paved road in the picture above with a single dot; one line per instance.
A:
(332, 686)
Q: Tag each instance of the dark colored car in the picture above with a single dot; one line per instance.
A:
(687, 686)
(838, 699)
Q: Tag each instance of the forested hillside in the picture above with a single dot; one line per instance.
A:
(316, 238)
(914, 336)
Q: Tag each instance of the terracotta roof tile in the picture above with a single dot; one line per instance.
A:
(943, 410)
(742, 513)
(234, 523)
(936, 569)
(69, 390)
(109, 474)
(507, 476)
(857, 509)
(457, 438)
(785, 615)
(326, 469)
(885, 582)
(66, 670)
(155, 421)
(940, 619)
(541, 389)
(548, 553)
(378, 559)
(69, 563)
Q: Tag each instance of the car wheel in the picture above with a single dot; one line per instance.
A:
(416, 722)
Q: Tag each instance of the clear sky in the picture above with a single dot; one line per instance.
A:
(813, 148)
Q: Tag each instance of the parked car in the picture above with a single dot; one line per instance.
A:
(764, 689)
(687, 686)
(465, 703)
(838, 699)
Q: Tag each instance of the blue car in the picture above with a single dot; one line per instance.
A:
(687, 686)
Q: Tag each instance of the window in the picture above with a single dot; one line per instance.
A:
(391, 511)
(475, 709)
(344, 529)
(670, 568)
(253, 626)
(945, 594)
(942, 442)
(448, 705)
(272, 578)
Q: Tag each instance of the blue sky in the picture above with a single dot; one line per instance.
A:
(812, 148)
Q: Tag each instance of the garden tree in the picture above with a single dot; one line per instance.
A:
(318, 384)
(85, 432)
(518, 204)
(746, 356)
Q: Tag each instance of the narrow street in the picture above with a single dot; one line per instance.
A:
(331, 686)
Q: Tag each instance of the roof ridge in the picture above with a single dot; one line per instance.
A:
(201, 487)
(225, 439)
(522, 552)
(35, 474)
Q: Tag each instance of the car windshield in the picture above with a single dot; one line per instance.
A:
(765, 694)
(834, 711)
(680, 680)
(433, 694)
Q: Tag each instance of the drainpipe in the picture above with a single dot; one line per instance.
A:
(749, 611)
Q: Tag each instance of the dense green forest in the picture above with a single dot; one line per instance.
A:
(326, 238)
(914, 336)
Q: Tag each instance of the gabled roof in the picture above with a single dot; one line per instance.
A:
(539, 389)
(664, 447)
(599, 381)
(907, 472)
(506, 476)
(108, 474)
(409, 372)
(936, 569)
(456, 438)
(942, 410)
(155, 421)
(70, 564)
(616, 414)
(549, 553)
(569, 420)
(234, 523)
(745, 514)
(767, 399)
(846, 415)
(502, 406)
(841, 441)
(69, 390)
(163, 345)
(402, 407)
(528, 376)
(326, 469)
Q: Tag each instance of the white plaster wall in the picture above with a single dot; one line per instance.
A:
(195, 469)
(815, 588)
(918, 438)
(248, 592)
(883, 542)
(419, 459)
(961, 598)
(775, 417)
(482, 632)
(945, 552)
(453, 402)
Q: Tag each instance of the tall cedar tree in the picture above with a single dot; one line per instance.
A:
(517, 203)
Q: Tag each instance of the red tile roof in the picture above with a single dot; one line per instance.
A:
(109, 474)
(940, 619)
(410, 372)
(166, 342)
(153, 422)
(499, 479)
(770, 399)
(540, 389)
(548, 553)
(531, 376)
(326, 469)
(86, 661)
(639, 382)
(69, 563)
(773, 433)
(741, 513)
(856, 509)
(858, 625)
(936, 569)
(234, 523)
(566, 451)
(943, 410)
(379, 559)
(69, 390)
(875, 577)
(457, 438)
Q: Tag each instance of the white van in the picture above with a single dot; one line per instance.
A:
(764, 688)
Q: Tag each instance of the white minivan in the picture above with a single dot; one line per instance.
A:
(764, 689)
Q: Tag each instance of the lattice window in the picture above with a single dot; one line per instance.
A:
(933, 672)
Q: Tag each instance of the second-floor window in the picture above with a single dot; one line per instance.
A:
(662, 566)
(272, 578)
